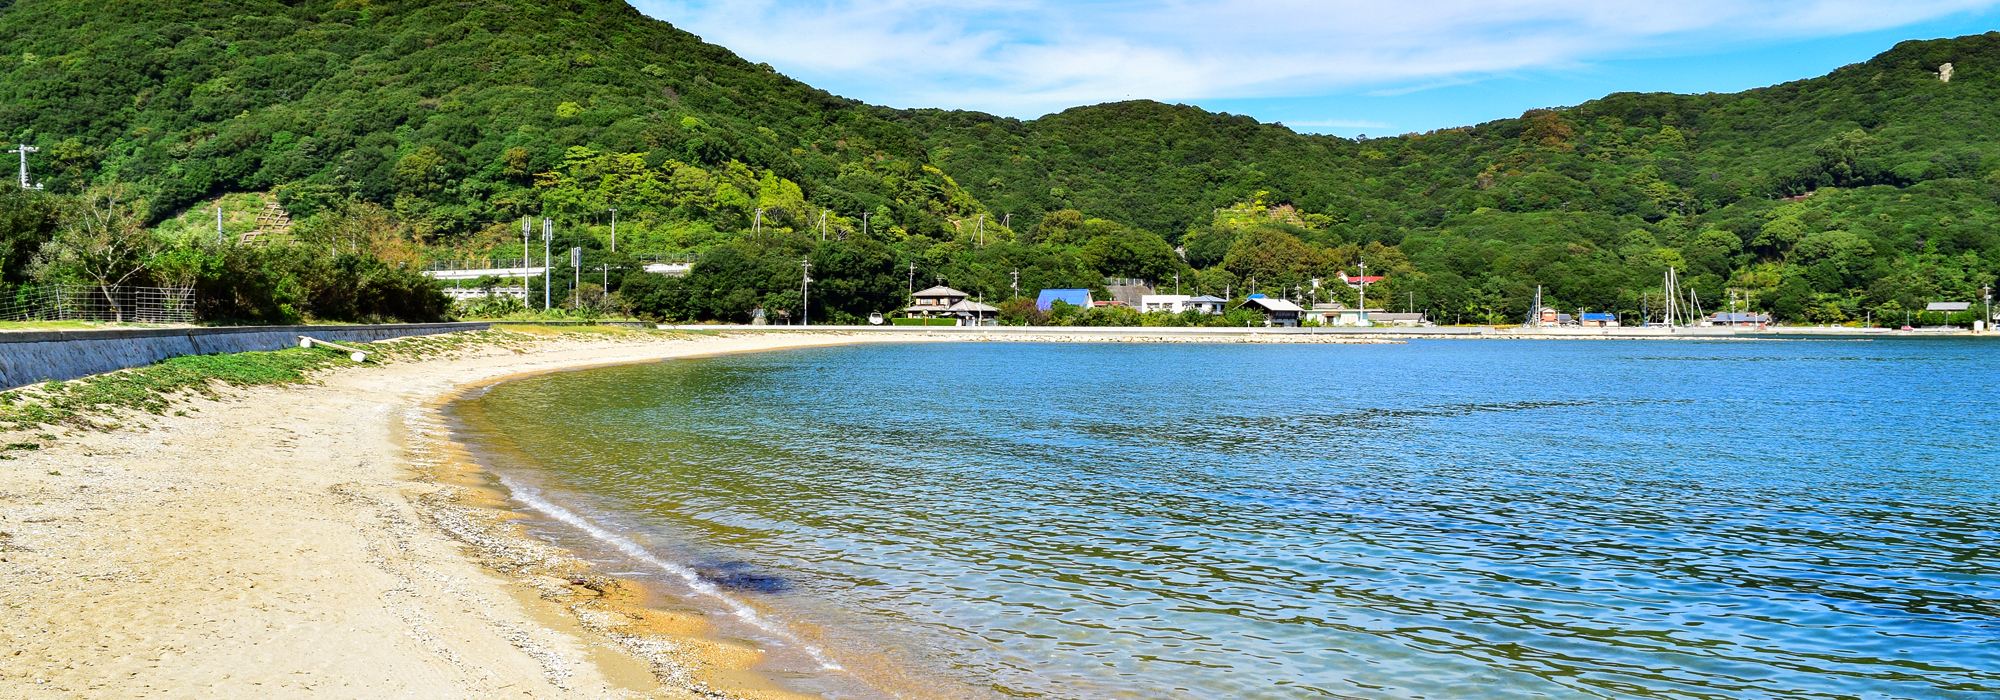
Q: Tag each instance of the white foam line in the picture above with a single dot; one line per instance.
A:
(693, 579)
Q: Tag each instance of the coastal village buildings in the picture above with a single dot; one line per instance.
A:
(1357, 281)
(1207, 304)
(1597, 320)
(1178, 303)
(1739, 319)
(1398, 318)
(1336, 314)
(945, 302)
(1277, 312)
(1170, 303)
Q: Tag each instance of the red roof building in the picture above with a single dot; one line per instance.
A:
(1358, 281)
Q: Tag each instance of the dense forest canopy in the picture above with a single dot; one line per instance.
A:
(1863, 193)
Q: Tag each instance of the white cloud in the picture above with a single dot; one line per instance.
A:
(1340, 124)
(1027, 57)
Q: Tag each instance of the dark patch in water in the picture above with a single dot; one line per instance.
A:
(741, 576)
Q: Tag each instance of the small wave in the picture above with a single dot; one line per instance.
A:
(693, 578)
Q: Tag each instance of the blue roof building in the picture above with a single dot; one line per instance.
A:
(1072, 297)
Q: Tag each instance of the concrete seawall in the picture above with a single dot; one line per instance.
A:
(39, 356)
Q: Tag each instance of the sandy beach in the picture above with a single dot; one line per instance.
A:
(327, 541)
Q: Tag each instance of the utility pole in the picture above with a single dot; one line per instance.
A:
(614, 229)
(548, 231)
(527, 228)
(1535, 311)
(219, 238)
(1988, 293)
(805, 292)
(864, 221)
(576, 269)
(1364, 292)
(1016, 284)
(1177, 284)
(24, 150)
(910, 287)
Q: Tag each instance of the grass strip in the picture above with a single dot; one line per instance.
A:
(153, 387)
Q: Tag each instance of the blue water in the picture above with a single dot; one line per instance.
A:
(1443, 519)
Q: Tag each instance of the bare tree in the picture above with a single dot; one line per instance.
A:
(104, 241)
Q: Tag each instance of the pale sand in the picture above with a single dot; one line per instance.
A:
(323, 541)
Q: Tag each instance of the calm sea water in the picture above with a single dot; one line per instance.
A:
(1443, 519)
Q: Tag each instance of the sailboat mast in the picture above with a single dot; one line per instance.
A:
(1667, 290)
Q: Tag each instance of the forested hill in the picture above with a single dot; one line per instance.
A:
(1167, 167)
(447, 110)
(444, 122)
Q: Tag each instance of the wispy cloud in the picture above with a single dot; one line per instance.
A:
(1341, 124)
(1027, 57)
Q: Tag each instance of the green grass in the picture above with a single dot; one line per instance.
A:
(152, 388)
(925, 322)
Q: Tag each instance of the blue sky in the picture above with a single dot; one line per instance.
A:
(1341, 67)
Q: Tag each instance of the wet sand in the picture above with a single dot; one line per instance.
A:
(328, 541)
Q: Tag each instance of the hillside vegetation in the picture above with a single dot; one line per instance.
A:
(434, 127)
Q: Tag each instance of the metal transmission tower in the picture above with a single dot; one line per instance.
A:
(24, 150)
(548, 231)
(805, 292)
(614, 229)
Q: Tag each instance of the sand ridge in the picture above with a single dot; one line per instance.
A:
(292, 542)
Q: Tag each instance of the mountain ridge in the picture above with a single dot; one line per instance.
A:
(461, 118)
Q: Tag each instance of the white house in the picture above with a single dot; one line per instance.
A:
(1336, 314)
(1170, 303)
(1207, 304)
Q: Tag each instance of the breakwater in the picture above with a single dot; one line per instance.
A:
(40, 356)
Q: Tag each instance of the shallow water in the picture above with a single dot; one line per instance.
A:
(1444, 519)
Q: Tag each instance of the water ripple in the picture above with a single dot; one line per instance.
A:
(1442, 520)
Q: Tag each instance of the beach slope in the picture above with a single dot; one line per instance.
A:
(277, 544)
